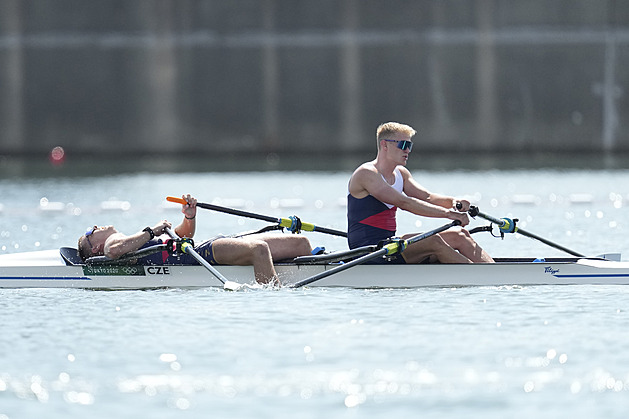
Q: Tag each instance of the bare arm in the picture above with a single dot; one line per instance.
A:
(119, 244)
(188, 226)
(366, 180)
(414, 189)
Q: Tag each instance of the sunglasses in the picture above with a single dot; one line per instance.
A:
(402, 144)
(88, 233)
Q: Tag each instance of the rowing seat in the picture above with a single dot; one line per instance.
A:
(71, 256)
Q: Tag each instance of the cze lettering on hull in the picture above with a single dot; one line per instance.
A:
(158, 270)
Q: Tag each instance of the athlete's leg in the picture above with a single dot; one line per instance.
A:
(434, 247)
(246, 251)
(461, 240)
(286, 246)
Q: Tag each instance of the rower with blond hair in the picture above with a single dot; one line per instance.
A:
(379, 187)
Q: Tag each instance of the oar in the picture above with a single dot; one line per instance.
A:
(292, 224)
(388, 249)
(188, 248)
(508, 225)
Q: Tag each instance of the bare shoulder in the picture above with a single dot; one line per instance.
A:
(365, 169)
(368, 166)
(406, 174)
(359, 179)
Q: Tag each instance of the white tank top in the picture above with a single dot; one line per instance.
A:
(398, 184)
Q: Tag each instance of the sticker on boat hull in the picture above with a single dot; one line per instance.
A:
(114, 270)
(550, 270)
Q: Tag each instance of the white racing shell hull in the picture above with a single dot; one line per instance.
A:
(47, 269)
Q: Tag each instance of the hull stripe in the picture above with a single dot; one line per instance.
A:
(593, 276)
(46, 278)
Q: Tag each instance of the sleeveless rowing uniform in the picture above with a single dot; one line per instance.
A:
(370, 220)
(163, 258)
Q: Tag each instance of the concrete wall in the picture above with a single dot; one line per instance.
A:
(248, 76)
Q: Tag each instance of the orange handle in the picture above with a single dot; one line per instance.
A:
(177, 200)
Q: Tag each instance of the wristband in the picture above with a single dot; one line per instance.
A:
(150, 231)
(190, 218)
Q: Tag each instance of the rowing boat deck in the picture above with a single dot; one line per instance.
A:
(68, 256)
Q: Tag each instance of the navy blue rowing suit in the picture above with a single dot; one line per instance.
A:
(370, 220)
(163, 258)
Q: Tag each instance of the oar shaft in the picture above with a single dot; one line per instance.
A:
(187, 248)
(283, 222)
(383, 251)
(494, 220)
(329, 231)
(294, 224)
(239, 212)
(438, 230)
(501, 223)
(549, 243)
(388, 249)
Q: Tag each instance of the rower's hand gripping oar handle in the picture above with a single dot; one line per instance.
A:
(506, 225)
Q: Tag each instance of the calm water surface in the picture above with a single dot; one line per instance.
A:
(438, 352)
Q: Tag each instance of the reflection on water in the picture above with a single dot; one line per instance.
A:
(489, 352)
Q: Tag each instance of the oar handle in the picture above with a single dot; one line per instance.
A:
(474, 211)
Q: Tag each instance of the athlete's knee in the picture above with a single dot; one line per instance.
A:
(259, 248)
(301, 246)
(465, 234)
(460, 238)
(436, 245)
(289, 246)
(437, 242)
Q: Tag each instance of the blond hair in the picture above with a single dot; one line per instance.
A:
(390, 128)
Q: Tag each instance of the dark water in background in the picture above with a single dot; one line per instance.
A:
(90, 165)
